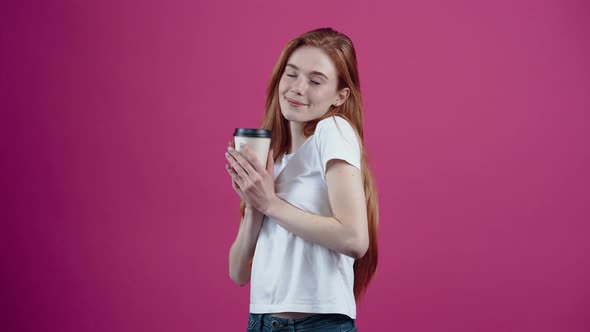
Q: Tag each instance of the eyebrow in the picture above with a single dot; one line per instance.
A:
(311, 72)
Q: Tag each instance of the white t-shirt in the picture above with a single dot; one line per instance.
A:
(290, 274)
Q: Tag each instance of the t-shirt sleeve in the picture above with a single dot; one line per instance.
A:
(336, 139)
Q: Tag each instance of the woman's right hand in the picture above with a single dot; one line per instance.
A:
(231, 173)
(249, 208)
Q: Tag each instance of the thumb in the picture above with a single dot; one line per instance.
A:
(270, 163)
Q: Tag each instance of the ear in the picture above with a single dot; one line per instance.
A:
(342, 96)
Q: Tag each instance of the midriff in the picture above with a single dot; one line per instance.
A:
(292, 314)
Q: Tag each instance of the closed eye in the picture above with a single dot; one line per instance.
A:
(313, 82)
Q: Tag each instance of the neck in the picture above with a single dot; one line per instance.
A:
(297, 138)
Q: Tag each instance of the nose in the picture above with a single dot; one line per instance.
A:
(299, 86)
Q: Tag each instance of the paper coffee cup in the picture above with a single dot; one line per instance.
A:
(257, 139)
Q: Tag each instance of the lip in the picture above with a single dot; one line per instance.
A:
(294, 103)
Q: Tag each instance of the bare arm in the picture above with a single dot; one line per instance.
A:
(242, 250)
(346, 231)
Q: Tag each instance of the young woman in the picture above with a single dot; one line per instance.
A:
(308, 235)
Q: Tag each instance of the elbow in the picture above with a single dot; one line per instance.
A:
(237, 280)
(239, 271)
(241, 283)
(357, 248)
(360, 252)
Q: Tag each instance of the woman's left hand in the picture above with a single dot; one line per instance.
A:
(256, 182)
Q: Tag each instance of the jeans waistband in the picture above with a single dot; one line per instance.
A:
(312, 322)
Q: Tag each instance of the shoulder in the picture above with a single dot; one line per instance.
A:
(335, 121)
(335, 125)
(336, 128)
(337, 139)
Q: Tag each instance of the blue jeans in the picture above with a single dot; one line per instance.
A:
(316, 323)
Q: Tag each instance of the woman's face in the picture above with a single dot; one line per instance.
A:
(309, 85)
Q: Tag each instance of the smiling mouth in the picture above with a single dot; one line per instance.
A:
(294, 102)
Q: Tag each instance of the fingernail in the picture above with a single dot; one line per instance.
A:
(230, 149)
(226, 155)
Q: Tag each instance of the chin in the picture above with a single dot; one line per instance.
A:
(294, 115)
(291, 117)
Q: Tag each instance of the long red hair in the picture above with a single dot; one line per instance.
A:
(341, 51)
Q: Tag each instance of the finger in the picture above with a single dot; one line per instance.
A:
(243, 161)
(236, 181)
(236, 187)
(253, 159)
(236, 166)
(231, 172)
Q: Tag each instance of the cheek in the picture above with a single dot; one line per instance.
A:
(282, 85)
(318, 98)
(327, 97)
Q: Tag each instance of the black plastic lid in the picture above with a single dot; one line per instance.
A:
(247, 132)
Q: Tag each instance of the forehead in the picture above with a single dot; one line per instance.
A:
(308, 59)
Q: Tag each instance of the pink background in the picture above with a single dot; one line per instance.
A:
(118, 214)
